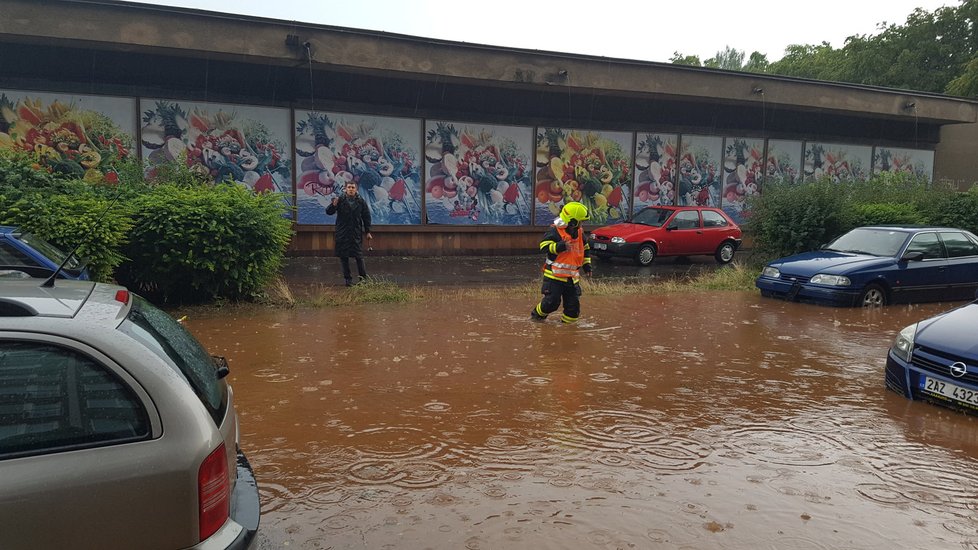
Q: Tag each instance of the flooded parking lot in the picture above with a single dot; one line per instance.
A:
(712, 420)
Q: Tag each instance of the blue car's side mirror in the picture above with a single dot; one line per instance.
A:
(912, 256)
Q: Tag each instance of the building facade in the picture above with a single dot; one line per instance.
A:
(458, 148)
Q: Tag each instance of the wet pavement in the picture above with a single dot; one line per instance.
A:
(479, 270)
(677, 421)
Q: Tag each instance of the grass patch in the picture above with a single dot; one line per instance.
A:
(372, 290)
(734, 277)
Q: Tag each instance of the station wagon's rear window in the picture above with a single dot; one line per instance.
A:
(162, 334)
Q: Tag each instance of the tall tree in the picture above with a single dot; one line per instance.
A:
(757, 63)
(730, 59)
(680, 59)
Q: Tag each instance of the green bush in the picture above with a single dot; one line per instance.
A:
(98, 226)
(788, 218)
(192, 243)
(952, 209)
(884, 213)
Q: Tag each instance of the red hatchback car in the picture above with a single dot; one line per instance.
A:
(669, 231)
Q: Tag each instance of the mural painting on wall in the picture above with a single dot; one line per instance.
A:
(655, 170)
(381, 154)
(592, 168)
(917, 162)
(836, 162)
(77, 135)
(743, 166)
(783, 161)
(477, 174)
(219, 142)
(700, 173)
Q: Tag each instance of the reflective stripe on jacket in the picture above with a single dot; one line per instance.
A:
(566, 264)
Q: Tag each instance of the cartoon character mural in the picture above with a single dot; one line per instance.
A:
(219, 142)
(742, 168)
(76, 135)
(379, 153)
(655, 171)
(836, 162)
(589, 167)
(783, 161)
(477, 174)
(699, 171)
(916, 162)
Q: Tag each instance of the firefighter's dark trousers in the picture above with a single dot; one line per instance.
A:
(555, 292)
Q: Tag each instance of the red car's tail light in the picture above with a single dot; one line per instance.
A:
(214, 492)
(122, 296)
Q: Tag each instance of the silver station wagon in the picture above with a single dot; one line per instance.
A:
(117, 428)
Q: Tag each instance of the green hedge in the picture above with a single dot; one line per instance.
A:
(787, 219)
(96, 225)
(204, 243)
(184, 241)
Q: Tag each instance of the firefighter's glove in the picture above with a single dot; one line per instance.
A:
(587, 269)
(561, 246)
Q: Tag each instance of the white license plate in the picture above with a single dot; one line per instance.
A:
(600, 246)
(949, 390)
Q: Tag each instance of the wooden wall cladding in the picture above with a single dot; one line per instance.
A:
(427, 241)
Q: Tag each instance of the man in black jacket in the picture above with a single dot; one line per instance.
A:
(352, 222)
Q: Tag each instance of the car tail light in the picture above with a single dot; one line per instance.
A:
(214, 491)
(122, 296)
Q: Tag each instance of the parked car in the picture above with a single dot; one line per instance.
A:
(33, 256)
(117, 428)
(872, 266)
(669, 231)
(937, 359)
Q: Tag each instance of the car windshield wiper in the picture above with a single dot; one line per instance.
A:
(857, 251)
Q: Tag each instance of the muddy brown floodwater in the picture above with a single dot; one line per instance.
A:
(698, 421)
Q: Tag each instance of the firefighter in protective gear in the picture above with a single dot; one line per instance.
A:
(568, 254)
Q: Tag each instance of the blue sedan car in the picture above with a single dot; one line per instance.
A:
(873, 266)
(937, 360)
(24, 254)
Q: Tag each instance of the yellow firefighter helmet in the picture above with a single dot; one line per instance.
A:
(573, 211)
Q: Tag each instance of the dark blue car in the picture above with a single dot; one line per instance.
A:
(937, 359)
(879, 265)
(24, 254)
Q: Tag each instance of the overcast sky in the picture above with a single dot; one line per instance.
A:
(630, 29)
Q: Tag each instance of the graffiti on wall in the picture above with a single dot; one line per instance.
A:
(380, 154)
(593, 168)
(77, 135)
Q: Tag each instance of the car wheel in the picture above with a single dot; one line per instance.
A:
(872, 296)
(725, 252)
(645, 255)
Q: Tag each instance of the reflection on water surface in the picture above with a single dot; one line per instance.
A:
(672, 421)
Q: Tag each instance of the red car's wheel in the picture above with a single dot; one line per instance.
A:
(646, 254)
(725, 252)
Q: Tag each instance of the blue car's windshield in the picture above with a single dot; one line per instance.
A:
(875, 242)
(652, 216)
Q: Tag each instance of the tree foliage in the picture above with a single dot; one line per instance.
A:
(931, 52)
